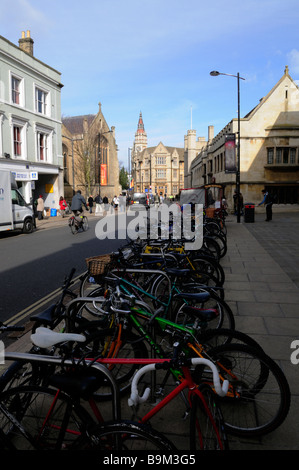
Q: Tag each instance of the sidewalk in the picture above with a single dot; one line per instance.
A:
(264, 296)
(262, 288)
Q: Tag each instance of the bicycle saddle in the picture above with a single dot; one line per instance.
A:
(45, 338)
(200, 296)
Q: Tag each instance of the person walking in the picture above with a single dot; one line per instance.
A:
(90, 203)
(40, 207)
(267, 201)
(156, 200)
(62, 206)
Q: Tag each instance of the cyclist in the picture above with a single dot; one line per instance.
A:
(77, 202)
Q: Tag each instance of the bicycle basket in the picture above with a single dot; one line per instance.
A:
(98, 265)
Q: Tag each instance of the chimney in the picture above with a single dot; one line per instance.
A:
(26, 43)
(211, 133)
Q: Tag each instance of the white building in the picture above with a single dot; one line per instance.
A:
(30, 121)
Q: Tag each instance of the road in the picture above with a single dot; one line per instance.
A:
(33, 266)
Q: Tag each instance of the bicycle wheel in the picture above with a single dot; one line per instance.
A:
(207, 429)
(213, 313)
(85, 225)
(115, 343)
(87, 284)
(209, 269)
(73, 225)
(124, 436)
(36, 418)
(213, 338)
(258, 400)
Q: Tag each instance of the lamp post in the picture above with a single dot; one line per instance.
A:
(215, 73)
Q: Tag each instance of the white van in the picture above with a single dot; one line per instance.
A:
(15, 213)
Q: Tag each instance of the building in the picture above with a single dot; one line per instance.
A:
(269, 149)
(90, 156)
(30, 121)
(160, 169)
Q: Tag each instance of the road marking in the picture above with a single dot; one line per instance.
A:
(39, 303)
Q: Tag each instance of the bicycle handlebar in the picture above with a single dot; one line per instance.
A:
(135, 399)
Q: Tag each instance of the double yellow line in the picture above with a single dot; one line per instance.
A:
(38, 304)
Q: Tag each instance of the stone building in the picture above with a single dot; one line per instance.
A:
(90, 156)
(160, 169)
(30, 121)
(269, 149)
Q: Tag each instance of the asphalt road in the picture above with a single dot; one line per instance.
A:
(32, 266)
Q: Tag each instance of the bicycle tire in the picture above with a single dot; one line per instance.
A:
(30, 425)
(210, 268)
(213, 338)
(130, 436)
(99, 344)
(261, 392)
(207, 429)
(73, 225)
(84, 223)
(221, 313)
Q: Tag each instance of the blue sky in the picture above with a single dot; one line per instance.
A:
(155, 56)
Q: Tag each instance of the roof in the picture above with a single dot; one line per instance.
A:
(170, 150)
(74, 124)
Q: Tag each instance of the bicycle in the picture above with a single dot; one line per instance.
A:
(78, 223)
(52, 418)
(259, 397)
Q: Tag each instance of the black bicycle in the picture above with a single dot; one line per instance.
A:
(78, 223)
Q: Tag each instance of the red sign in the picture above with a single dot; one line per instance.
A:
(103, 175)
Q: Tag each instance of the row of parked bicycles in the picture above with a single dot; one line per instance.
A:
(148, 323)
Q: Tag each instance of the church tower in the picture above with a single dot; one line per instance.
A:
(140, 142)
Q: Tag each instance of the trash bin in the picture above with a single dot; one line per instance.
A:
(249, 212)
(53, 212)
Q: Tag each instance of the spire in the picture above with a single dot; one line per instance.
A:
(140, 124)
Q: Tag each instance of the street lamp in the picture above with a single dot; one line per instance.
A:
(215, 73)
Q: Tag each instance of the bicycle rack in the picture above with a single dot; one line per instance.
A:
(28, 357)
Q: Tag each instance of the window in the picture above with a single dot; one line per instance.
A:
(18, 137)
(161, 173)
(42, 147)
(278, 155)
(41, 101)
(160, 160)
(15, 90)
(270, 156)
(16, 198)
(292, 155)
(17, 141)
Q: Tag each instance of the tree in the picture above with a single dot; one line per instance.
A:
(123, 178)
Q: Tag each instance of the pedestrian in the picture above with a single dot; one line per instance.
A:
(106, 205)
(268, 202)
(40, 207)
(77, 202)
(115, 202)
(90, 203)
(62, 206)
(98, 200)
(238, 201)
(156, 200)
